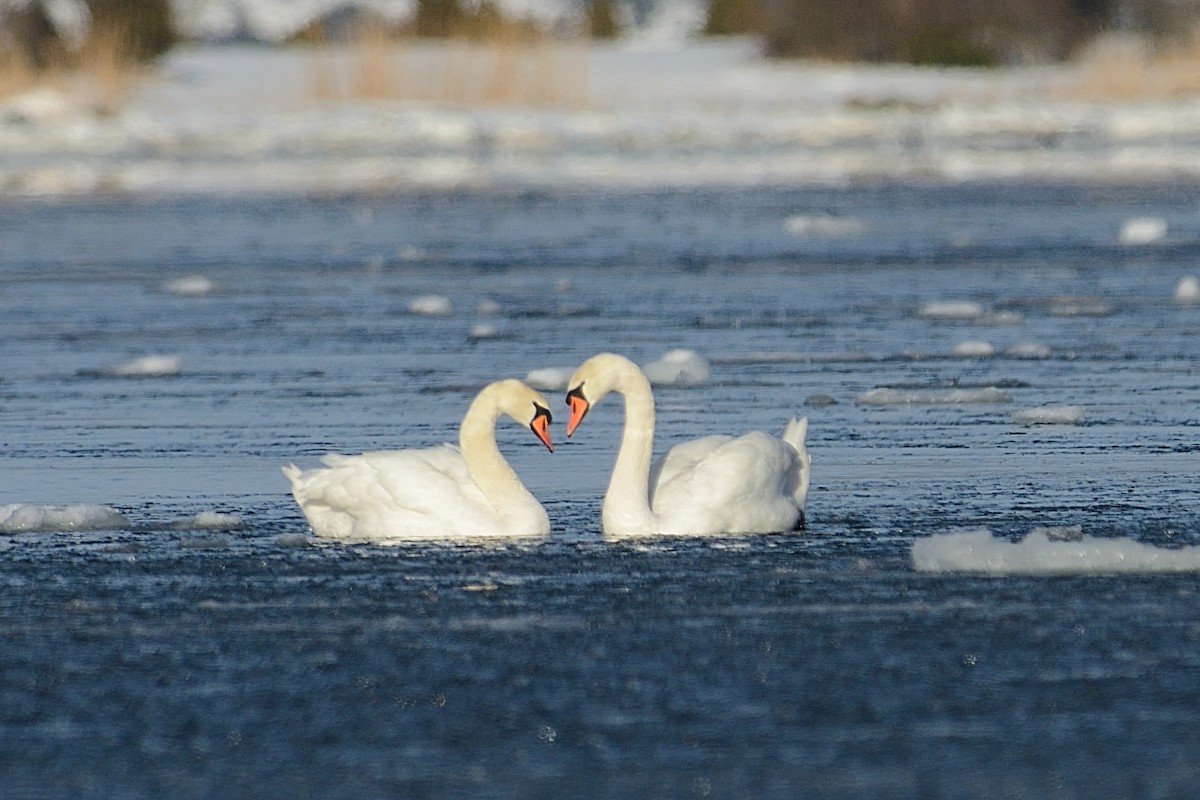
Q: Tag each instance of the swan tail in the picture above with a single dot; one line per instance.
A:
(794, 434)
(292, 471)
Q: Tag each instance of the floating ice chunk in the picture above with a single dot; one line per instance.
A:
(678, 368)
(973, 348)
(157, 366)
(1071, 306)
(1187, 291)
(898, 397)
(191, 286)
(951, 309)
(549, 379)
(1045, 551)
(485, 330)
(211, 521)
(1028, 350)
(25, 518)
(822, 225)
(1142, 230)
(1051, 414)
(487, 307)
(432, 305)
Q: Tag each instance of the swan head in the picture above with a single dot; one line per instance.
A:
(520, 402)
(595, 378)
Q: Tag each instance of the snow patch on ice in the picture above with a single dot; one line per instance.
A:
(1047, 551)
(27, 518)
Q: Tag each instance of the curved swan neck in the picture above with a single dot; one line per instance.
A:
(627, 502)
(485, 464)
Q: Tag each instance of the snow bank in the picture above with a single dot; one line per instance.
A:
(898, 397)
(1047, 551)
(26, 518)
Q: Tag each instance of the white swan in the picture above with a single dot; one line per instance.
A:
(435, 492)
(755, 483)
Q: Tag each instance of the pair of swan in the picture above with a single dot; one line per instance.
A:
(754, 483)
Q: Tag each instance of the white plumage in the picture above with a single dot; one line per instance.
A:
(434, 492)
(756, 483)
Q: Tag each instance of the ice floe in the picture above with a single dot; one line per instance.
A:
(28, 518)
(1047, 551)
(898, 397)
(951, 309)
(191, 286)
(1142, 230)
(153, 366)
(1187, 291)
(485, 330)
(431, 305)
(678, 368)
(1030, 350)
(823, 225)
(210, 521)
(973, 348)
(1050, 414)
(548, 379)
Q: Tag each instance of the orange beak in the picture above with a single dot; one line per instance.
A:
(541, 425)
(579, 406)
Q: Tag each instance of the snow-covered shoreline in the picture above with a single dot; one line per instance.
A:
(252, 119)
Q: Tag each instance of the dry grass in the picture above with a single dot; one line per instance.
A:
(502, 66)
(102, 72)
(1133, 69)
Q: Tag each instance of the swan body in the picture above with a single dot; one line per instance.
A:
(438, 492)
(756, 483)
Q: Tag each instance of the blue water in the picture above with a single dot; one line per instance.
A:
(166, 661)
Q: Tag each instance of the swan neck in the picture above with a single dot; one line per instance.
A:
(485, 464)
(627, 502)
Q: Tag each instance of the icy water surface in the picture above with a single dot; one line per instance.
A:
(203, 645)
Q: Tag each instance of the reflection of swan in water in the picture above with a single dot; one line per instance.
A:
(756, 483)
(433, 492)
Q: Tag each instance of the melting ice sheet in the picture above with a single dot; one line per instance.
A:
(1045, 551)
(28, 518)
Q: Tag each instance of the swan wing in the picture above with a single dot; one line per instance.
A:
(393, 494)
(726, 484)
